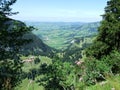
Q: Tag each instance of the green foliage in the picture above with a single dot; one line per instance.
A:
(10, 44)
(112, 82)
(113, 60)
(56, 76)
(98, 49)
(11, 40)
(28, 85)
(95, 70)
(109, 31)
(5, 7)
(106, 47)
(37, 60)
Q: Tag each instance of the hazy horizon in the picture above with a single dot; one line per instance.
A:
(60, 21)
(59, 10)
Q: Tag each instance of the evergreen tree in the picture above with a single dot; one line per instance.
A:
(5, 7)
(107, 43)
(11, 40)
(108, 38)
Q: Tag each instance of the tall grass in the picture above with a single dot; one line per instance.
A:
(112, 83)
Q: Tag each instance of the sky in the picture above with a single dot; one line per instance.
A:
(59, 10)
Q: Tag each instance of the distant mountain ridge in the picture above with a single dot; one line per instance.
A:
(59, 34)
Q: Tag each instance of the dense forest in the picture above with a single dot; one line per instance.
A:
(60, 55)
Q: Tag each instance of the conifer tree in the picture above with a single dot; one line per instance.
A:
(11, 40)
(108, 38)
(5, 8)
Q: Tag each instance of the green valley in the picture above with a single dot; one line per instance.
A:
(59, 54)
(60, 35)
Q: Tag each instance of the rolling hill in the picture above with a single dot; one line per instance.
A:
(59, 35)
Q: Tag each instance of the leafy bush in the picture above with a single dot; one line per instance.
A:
(113, 60)
(112, 83)
(95, 70)
(56, 76)
(37, 60)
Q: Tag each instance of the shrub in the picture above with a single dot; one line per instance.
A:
(95, 70)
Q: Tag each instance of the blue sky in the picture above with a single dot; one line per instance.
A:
(59, 10)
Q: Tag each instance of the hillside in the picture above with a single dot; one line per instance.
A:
(36, 47)
(75, 50)
(59, 35)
